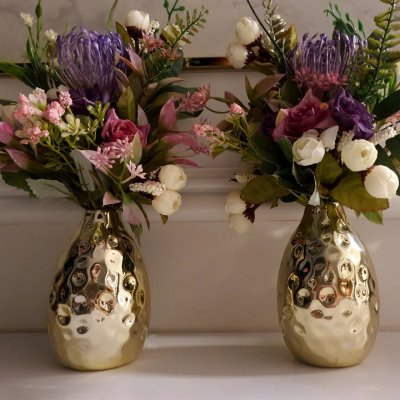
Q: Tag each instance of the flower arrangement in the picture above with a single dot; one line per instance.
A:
(99, 126)
(322, 124)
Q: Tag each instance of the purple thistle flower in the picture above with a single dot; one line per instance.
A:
(86, 63)
(324, 63)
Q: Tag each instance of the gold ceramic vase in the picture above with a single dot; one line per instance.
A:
(328, 303)
(100, 304)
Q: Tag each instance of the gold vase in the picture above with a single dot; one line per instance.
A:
(100, 305)
(328, 303)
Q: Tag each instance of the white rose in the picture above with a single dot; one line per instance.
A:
(239, 223)
(173, 177)
(168, 202)
(359, 155)
(381, 182)
(7, 116)
(234, 204)
(308, 150)
(329, 136)
(138, 19)
(247, 30)
(237, 55)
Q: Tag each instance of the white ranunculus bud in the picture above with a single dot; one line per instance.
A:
(173, 177)
(138, 19)
(167, 203)
(234, 204)
(237, 55)
(329, 136)
(247, 30)
(308, 150)
(359, 155)
(381, 182)
(7, 115)
(239, 223)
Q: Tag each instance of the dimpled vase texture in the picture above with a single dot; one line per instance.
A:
(99, 305)
(328, 300)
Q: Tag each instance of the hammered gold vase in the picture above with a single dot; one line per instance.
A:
(328, 302)
(100, 305)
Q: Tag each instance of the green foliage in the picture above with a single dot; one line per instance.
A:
(263, 189)
(372, 79)
(127, 107)
(176, 7)
(185, 27)
(344, 23)
(328, 170)
(388, 106)
(375, 216)
(351, 193)
(18, 180)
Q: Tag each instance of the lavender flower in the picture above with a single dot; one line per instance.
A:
(352, 115)
(86, 64)
(324, 63)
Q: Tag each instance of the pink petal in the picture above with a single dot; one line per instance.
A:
(130, 212)
(109, 199)
(6, 133)
(168, 116)
(142, 117)
(185, 139)
(24, 161)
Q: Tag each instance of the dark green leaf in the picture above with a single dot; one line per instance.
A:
(286, 147)
(18, 180)
(375, 217)
(263, 189)
(328, 170)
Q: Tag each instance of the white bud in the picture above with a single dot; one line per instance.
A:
(359, 155)
(381, 182)
(308, 150)
(234, 204)
(329, 136)
(239, 223)
(51, 35)
(167, 203)
(173, 177)
(7, 115)
(247, 30)
(237, 55)
(28, 19)
(138, 19)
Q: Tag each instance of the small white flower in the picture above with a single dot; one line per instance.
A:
(138, 19)
(28, 19)
(329, 136)
(150, 187)
(237, 55)
(247, 30)
(239, 223)
(167, 203)
(383, 135)
(308, 150)
(173, 177)
(359, 155)
(154, 26)
(51, 35)
(234, 204)
(381, 182)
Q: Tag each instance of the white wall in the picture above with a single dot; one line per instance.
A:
(204, 277)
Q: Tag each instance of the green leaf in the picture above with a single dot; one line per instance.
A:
(263, 189)
(123, 33)
(44, 188)
(164, 219)
(268, 150)
(265, 85)
(17, 179)
(375, 217)
(387, 107)
(4, 102)
(286, 146)
(351, 193)
(290, 92)
(127, 106)
(328, 170)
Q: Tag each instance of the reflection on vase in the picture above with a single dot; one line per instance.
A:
(328, 302)
(100, 306)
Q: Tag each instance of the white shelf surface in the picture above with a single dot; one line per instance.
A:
(198, 366)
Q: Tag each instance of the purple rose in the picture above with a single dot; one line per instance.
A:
(310, 113)
(116, 128)
(350, 114)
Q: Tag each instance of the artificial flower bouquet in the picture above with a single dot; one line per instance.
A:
(321, 125)
(99, 126)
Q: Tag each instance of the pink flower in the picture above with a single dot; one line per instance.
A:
(101, 158)
(196, 101)
(171, 53)
(236, 109)
(53, 113)
(31, 134)
(120, 129)
(38, 97)
(64, 99)
(151, 43)
(25, 109)
(310, 113)
(206, 130)
(135, 171)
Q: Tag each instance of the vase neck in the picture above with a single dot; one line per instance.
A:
(329, 211)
